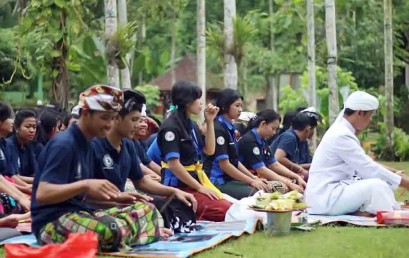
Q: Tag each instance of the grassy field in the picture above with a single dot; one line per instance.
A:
(330, 241)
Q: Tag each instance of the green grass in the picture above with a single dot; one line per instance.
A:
(322, 242)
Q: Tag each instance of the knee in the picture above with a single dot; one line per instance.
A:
(110, 237)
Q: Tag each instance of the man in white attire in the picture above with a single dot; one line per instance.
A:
(343, 179)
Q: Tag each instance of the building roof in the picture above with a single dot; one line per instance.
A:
(185, 70)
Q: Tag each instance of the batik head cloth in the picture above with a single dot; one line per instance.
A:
(101, 98)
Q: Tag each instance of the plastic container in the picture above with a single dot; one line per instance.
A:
(278, 223)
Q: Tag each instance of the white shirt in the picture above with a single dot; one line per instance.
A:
(337, 162)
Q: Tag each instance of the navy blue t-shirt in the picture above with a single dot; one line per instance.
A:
(116, 166)
(7, 160)
(254, 151)
(295, 150)
(140, 150)
(226, 148)
(67, 158)
(24, 157)
(154, 152)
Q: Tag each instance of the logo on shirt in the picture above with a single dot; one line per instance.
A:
(256, 151)
(2, 156)
(108, 162)
(220, 140)
(169, 136)
(78, 174)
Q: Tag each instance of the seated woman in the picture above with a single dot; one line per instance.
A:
(182, 147)
(8, 169)
(256, 155)
(224, 168)
(22, 146)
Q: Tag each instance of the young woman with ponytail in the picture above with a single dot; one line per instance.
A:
(182, 147)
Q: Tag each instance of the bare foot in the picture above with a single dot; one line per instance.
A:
(165, 233)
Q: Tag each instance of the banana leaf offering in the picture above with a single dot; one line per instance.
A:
(280, 202)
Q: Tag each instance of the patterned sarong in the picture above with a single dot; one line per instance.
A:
(8, 205)
(137, 224)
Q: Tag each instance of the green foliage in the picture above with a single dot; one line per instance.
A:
(400, 148)
(152, 95)
(120, 44)
(291, 99)
(346, 85)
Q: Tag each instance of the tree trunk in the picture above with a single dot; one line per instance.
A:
(123, 20)
(272, 87)
(201, 51)
(230, 69)
(311, 61)
(330, 29)
(173, 31)
(110, 29)
(389, 121)
(141, 39)
(60, 88)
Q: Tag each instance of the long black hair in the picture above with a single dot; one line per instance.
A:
(6, 112)
(22, 115)
(225, 98)
(182, 94)
(267, 115)
(47, 121)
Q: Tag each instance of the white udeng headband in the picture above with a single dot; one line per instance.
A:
(359, 100)
(143, 111)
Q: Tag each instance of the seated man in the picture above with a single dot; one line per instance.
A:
(343, 179)
(291, 147)
(116, 159)
(65, 180)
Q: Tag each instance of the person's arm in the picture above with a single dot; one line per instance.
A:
(281, 157)
(153, 187)
(272, 176)
(348, 149)
(306, 166)
(245, 171)
(155, 168)
(11, 189)
(233, 172)
(285, 172)
(27, 179)
(210, 114)
(148, 172)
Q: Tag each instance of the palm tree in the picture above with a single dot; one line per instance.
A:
(201, 50)
(389, 121)
(110, 29)
(230, 73)
(331, 34)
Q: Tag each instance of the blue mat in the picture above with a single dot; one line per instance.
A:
(180, 245)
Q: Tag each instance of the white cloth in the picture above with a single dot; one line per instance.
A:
(337, 161)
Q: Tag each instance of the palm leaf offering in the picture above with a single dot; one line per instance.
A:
(280, 202)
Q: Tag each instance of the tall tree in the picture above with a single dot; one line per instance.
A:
(389, 121)
(201, 51)
(331, 35)
(123, 20)
(230, 65)
(111, 27)
(311, 60)
(272, 80)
